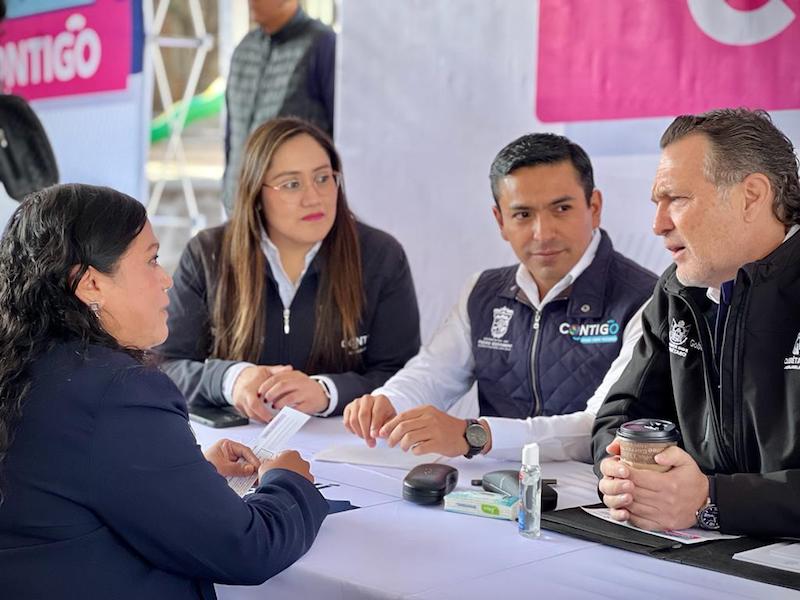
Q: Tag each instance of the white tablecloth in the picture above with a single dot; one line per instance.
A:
(389, 548)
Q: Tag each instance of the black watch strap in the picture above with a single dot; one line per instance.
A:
(474, 448)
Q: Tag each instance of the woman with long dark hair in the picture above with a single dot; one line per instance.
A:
(293, 302)
(97, 459)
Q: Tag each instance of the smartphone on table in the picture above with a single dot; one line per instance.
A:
(217, 416)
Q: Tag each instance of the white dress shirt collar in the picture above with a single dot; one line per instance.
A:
(286, 287)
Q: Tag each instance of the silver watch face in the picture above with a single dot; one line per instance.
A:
(708, 517)
(476, 435)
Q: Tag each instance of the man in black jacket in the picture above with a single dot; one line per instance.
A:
(720, 351)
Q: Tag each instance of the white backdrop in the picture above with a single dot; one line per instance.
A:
(427, 92)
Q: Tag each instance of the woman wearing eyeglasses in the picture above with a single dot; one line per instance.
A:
(293, 302)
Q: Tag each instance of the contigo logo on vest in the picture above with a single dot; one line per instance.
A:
(793, 362)
(500, 321)
(591, 333)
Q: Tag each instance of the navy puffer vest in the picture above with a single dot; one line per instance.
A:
(572, 342)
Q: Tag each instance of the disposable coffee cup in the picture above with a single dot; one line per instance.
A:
(642, 439)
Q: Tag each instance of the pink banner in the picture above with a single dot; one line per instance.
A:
(67, 52)
(618, 59)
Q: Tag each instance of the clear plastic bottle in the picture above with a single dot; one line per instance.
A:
(530, 492)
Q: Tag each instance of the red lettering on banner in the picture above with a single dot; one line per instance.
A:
(620, 59)
(65, 52)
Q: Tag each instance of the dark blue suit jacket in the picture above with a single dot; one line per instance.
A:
(107, 494)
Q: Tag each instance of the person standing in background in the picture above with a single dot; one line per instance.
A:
(283, 67)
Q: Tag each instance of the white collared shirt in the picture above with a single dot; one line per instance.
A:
(286, 287)
(444, 370)
(527, 284)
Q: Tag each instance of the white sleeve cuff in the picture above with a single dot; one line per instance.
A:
(508, 437)
(330, 391)
(397, 400)
(229, 379)
(560, 437)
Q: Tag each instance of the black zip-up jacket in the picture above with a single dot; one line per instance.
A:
(388, 333)
(740, 422)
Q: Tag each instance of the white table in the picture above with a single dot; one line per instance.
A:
(390, 549)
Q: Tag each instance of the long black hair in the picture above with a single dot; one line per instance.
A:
(53, 237)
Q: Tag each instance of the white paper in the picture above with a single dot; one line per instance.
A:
(272, 439)
(783, 555)
(380, 456)
(694, 535)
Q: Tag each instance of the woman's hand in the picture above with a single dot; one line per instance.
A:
(295, 389)
(232, 459)
(290, 460)
(246, 396)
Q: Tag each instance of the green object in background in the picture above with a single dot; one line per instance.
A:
(202, 106)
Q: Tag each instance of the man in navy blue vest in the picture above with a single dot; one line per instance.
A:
(537, 337)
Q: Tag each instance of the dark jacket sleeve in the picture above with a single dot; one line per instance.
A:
(644, 389)
(185, 353)
(154, 488)
(760, 504)
(393, 332)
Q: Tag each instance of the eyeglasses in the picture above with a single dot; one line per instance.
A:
(325, 184)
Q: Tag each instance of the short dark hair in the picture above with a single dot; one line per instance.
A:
(535, 149)
(742, 142)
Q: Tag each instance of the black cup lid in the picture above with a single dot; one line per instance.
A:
(649, 430)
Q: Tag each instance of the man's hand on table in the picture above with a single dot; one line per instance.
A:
(652, 500)
(366, 415)
(425, 429)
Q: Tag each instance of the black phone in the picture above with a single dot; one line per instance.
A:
(217, 416)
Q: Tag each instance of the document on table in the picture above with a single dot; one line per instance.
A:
(783, 555)
(695, 535)
(380, 456)
(270, 441)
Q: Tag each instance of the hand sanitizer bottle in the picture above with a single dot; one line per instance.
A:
(530, 492)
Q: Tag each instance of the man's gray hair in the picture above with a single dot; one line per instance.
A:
(743, 142)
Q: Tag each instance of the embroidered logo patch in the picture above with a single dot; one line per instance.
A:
(502, 317)
(678, 336)
(356, 345)
(500, 322)
(679, 332)
(792, 363)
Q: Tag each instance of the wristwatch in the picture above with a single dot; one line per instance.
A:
(708, 516)
(476, 437)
